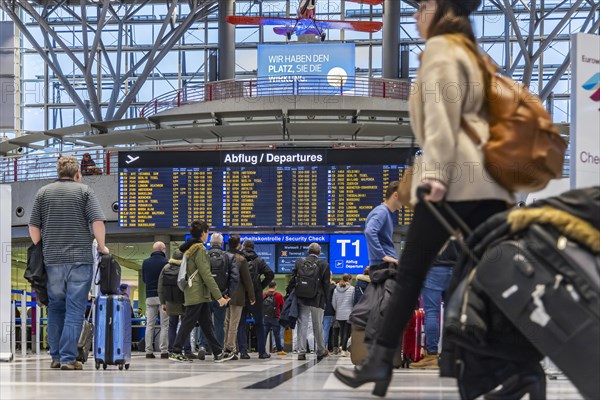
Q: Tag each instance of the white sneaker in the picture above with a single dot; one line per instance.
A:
(345, 353)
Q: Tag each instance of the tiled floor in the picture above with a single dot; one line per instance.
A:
(275, 379)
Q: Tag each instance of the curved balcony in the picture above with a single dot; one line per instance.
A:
(317, 85)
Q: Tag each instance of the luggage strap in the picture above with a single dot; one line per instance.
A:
(462, 226)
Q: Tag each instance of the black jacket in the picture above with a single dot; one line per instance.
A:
(263, 270)
(186, 246)
(321, 298)
(329, 310)
(289, 312)
(35, 273)
(582, 203)
(151, 269)
(362, 282)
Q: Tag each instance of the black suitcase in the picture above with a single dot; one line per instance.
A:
(482, 348)
(110, 275)
(549, 287)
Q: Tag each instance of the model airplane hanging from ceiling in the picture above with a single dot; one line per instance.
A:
(307, 24)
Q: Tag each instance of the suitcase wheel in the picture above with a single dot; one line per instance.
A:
(406, 362)
(120, 367)
(97, 365)
(127, 367)
(104, 366)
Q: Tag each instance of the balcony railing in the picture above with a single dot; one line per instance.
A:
(320, 85)
(37, 166)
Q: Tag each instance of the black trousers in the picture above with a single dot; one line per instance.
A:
(197, 313)
(345, 330)
(424, 240)
(335, 334)
(244, 330)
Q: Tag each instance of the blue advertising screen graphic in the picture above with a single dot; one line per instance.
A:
(289, 253)
(290, 63)
(348, 254)
(267, 252)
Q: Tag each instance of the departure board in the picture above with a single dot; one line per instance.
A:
(314, 188)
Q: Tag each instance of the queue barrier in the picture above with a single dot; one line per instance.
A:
(36, 322)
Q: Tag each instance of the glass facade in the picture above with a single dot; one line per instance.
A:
(46, 104)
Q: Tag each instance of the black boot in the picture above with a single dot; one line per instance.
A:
(532, 381)
(376, 368)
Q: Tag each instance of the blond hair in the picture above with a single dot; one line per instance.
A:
(67, 167)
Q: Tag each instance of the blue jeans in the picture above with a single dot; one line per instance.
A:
(281, 336)
(327, 322)
(218, 316)
(68, 288)
(437, 281)
(272, 324)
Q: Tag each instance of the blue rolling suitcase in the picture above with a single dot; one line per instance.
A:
(113, 331)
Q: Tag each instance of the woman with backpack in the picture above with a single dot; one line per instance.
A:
(343, 300)
(449, 92)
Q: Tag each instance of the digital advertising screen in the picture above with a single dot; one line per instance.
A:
(289, 253)
(308, 188)
(267, 253)
(295, 63)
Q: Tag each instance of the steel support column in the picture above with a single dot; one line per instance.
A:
(226, 41)
(391, 39)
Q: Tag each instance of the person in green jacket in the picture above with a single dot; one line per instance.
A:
(198, 295)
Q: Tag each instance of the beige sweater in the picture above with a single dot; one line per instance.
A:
(449, 86)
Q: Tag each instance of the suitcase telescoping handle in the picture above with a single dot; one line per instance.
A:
(424, 190)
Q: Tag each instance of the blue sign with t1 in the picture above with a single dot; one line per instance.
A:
(294, 63)
(348, 254)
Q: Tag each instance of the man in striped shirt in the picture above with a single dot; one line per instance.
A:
(61, 218)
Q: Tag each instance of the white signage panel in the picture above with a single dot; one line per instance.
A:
(5, 272)
(585, 111)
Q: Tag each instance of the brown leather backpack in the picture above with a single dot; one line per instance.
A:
(525, 150)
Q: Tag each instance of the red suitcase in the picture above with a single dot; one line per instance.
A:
(413, 339)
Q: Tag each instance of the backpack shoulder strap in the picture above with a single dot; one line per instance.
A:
(486, 67)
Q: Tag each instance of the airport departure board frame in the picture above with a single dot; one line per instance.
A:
(314, 189)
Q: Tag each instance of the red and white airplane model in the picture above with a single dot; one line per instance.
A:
(307, 24)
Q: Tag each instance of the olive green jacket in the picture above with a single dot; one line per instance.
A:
(245, 288)
(204, 288)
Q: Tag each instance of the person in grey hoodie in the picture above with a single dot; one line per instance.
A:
(343, 301)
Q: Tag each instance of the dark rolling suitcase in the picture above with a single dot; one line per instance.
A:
(108, 275)
(112, 344)
(549, 288)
